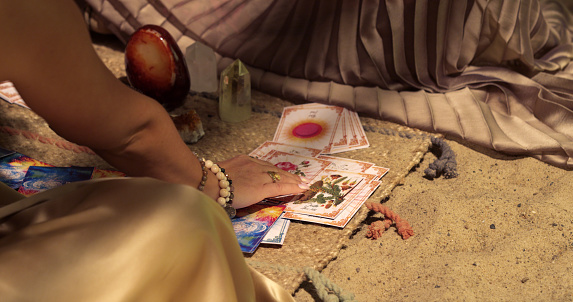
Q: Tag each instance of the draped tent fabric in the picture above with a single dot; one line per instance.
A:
(495, 73)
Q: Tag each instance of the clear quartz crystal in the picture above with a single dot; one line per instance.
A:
(202, 66)
(235, 93)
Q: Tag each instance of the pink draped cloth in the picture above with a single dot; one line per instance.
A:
(495, 73)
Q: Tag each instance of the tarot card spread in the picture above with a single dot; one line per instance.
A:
(339, 185)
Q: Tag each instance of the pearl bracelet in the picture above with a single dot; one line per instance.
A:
(225, 185)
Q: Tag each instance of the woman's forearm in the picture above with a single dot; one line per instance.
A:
(56, 70)
(155, 149)
(53, 65)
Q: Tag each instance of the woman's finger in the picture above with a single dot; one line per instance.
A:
(284, 176)
(277, 188)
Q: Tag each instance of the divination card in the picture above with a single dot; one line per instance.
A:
(308, 126)
(340, 142)
(361, 139)
(40, 179)
(277, 233)
(349, 134)
(268, 146)
(379, 171)
(327, 196)
(253, 223)
(9, 93)
(101, 173)
(346, 164)
(356, 137)
(4, 152)
(13, 168)
(300, 165)
(352, 132)
(344, 217)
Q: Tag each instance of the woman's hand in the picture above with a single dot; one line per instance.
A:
(73, 91)
(252, 182)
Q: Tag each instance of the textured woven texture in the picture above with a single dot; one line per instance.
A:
(307, 245)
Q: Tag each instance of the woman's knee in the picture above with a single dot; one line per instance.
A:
(169, 205)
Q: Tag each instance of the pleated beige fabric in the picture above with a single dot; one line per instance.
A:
(124, 240)
(493, 72)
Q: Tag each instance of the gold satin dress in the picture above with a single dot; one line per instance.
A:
(123, 239)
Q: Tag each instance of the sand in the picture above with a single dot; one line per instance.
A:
(501, 231)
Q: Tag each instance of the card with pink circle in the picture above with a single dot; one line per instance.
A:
(309, 126)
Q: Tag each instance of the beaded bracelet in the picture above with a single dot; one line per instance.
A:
(225, 185)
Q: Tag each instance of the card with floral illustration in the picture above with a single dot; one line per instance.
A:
(327, 196)
(13, 168)
(300, 165)
(268, 146)
(39, 179)
(358, 198)
(252, 224)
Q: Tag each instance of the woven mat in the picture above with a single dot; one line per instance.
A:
(307, 245)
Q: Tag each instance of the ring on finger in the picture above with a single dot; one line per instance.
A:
(274, 176)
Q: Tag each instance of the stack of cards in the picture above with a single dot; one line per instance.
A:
(30, 176)
(339, 186)
(345, 183)
(253, 224)
(330, 129)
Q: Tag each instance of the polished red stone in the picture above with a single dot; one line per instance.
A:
(156, 67)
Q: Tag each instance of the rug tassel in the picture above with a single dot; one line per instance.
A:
(327, 290)
(376, 229)
(445, 164)
(324, 287)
